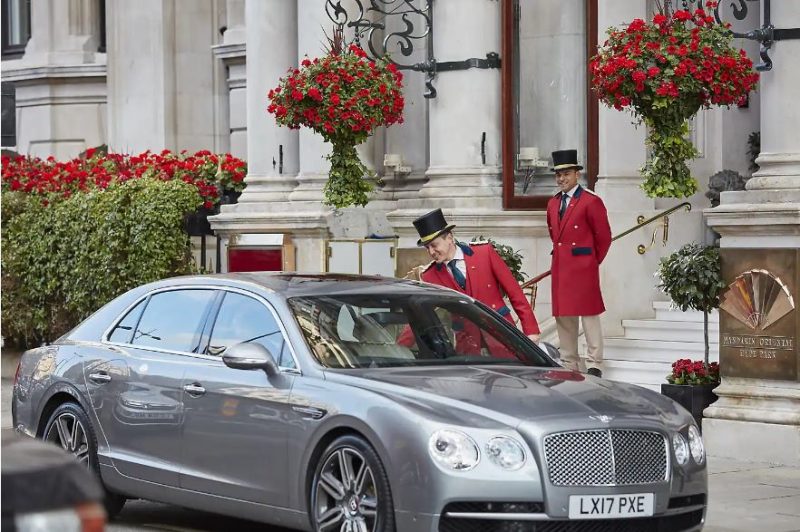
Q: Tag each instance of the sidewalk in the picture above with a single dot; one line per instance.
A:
(744, 496)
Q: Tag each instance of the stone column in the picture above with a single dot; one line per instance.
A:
(312, 24)
(757, 417)
(272, 151)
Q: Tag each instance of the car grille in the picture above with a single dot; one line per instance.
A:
(615, 457)
(667, 523)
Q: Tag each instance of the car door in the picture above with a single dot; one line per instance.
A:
(234, 442)
(137, 394)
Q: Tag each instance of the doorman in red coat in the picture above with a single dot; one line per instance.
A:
(581, 235)
(474, 269)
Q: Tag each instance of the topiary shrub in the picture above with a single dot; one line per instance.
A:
(64, 257)
(692, 278)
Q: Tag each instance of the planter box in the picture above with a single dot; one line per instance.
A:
(694, 398)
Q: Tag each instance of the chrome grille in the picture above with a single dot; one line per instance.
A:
(613, 457)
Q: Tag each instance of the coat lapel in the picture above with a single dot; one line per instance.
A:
(573, 204)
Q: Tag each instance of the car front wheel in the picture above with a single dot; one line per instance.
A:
(69, 428)
(350, 490)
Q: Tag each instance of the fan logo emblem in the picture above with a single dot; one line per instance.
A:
(757, 299)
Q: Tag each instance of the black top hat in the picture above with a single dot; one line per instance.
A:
(563, 159)
(431, 225)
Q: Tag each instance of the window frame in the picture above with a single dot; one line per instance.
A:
(14, 51)
(509, 104)
(206, 326)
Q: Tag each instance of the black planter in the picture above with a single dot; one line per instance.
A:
(229, 197)
(693, 397)
(197, 222)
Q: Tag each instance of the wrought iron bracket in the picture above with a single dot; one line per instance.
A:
(367, 16)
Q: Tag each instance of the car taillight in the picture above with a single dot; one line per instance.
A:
(88, 517)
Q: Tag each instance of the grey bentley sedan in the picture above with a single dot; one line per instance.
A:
(349, 403)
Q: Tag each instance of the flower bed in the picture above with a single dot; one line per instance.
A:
(207, 172)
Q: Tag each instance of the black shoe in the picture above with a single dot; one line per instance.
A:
(594, 372)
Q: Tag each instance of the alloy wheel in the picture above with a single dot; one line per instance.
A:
(346, 496)
(68, 432)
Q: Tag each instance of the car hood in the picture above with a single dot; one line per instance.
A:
(514, 394)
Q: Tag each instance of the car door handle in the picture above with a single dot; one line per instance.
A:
(194, 389)
(100, 377)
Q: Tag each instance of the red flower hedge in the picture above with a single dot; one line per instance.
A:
(343, 96)
(208, 172)
(664, 72)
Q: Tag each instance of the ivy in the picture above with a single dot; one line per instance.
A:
(349, 180)
(63, 259)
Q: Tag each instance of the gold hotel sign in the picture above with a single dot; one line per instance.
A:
(758, 315)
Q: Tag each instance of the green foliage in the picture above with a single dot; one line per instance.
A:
(64, 258)
(512, 258)
(666, 174)
(349, 181)
(691, 277)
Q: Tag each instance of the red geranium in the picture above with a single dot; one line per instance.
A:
(689, 64)
(686, 371)
(208, 172)
(343, 96)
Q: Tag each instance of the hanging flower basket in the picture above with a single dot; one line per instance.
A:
(343, 96)
(664, 72)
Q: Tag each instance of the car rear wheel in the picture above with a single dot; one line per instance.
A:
(69, 427)
(350, 490)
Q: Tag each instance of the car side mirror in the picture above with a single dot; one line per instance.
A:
(250, 355)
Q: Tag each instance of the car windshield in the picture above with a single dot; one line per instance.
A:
(369, 331)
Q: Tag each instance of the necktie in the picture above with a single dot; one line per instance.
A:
(457, 275)
(563, 208)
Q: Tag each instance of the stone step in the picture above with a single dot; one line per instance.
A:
(624, 349)
(665, 312)
(685, 331)
(646, 374)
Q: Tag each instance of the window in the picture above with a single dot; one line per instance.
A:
(173, 320)
(244, 319)
(16, 20)
(373, 331)
(123, 332)
(547, 104)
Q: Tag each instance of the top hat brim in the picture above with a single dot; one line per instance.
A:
(566, 166)
(428, 238)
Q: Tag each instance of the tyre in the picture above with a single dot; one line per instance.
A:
(350, 489)
(69, 427)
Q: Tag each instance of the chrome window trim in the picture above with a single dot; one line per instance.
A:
(284, 369)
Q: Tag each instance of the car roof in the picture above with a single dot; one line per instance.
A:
(291, 284)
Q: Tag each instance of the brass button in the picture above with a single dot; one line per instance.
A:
(573, 243)
(576, 227)
(489, 286)
(559, 243)
(494, 306)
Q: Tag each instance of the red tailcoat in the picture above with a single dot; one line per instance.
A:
(487, 278)
(580, 243)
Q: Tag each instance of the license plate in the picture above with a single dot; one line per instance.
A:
(607, 506)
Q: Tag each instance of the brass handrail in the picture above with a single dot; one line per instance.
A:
(686, 204)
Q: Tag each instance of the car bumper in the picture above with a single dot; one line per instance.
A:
(684, 519)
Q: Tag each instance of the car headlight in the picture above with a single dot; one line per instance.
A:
(696, 445)
(505, 452)
(454, 449)
(681, 448)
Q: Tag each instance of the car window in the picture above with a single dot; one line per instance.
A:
(244, 319)
(356, 331)
(123, 332)
(173, 320)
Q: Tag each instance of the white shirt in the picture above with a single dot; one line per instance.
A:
(570, 193)
(461, 264)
